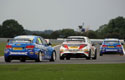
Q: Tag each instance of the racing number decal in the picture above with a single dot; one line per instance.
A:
(40, 42)
(40, 45)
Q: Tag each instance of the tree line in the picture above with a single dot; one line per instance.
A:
(114, 29)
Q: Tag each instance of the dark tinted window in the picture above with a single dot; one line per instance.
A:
(43, 41)
(21, 40)
(80, 40)
(106, 42)
(39, 41)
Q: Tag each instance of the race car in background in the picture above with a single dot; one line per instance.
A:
(111, 45)
(29, 47)
(77, 47)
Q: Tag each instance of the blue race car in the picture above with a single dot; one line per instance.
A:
(29, 47)
(111, 45)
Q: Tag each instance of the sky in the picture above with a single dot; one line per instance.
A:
(59, 14)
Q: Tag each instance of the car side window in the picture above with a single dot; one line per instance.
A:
(38, 41)
(44, 42)
(89, 40)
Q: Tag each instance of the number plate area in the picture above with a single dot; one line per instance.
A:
(17, 48)
(73, 47)
(111, 49)
(23, 53)
(110, 46)
(73, 50)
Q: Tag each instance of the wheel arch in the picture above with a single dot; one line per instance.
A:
(54, 51)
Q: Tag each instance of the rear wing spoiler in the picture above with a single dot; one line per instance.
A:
(77, 39)
(11, 40)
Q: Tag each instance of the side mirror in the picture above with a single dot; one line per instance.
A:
(48, 42)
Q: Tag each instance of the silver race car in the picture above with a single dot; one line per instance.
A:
(77, 47)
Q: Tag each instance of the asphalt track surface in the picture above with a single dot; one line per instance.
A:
(105, 59)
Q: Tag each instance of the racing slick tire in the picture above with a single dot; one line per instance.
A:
(95, 56)
(101, 54)
(39, 59)
(67, 58)
(122, 54)
(61, 58)
(7, 60)
(53, 57)
(89, 57)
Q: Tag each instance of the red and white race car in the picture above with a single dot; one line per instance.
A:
(77, 47)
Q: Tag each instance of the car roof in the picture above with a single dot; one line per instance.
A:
(76, 37)
(73, 42)
(111, 39)
(31, 37)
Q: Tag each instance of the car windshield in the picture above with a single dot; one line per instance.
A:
(111, 42)
(20, 40)
(75, 40)
(73, 44)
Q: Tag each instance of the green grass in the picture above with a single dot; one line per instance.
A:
(63, 72)
(2, 47)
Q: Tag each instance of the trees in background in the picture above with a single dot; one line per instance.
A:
(114, 29)
(0, 30)
(11, 28)
(91, 34)
(63, 33)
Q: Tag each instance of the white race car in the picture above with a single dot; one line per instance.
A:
(77, 47)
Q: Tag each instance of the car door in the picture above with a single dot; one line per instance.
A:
(46, 47)
(92, 47)
(39, 45)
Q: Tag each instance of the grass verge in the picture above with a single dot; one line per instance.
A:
(63, 72)
(2, 47)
